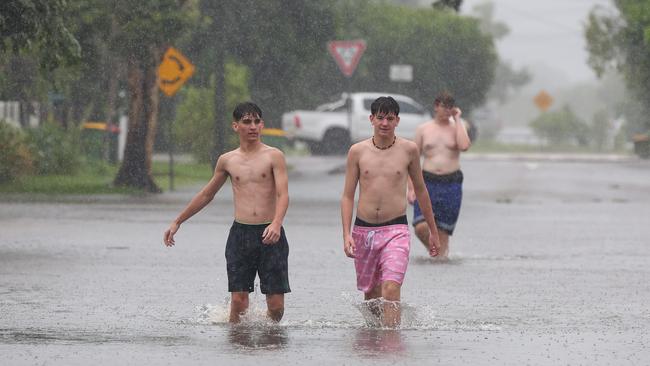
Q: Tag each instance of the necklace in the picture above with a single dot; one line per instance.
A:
(384, 147)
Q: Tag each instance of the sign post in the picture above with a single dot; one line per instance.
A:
(347, 55)
(173, 72)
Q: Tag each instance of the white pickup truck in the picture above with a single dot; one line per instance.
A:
(330, 129)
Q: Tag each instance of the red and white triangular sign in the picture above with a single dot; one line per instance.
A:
(347, 54)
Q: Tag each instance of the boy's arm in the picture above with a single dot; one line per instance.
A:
(418, 141)
(347, 200)
(272, 232)
(462, 137)
(199, 201)
(415, 173)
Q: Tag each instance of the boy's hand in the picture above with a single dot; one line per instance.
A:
(456, 112)
(168, 237)
(410, 196)
(434, 244)
(271, 234)
(348, 246)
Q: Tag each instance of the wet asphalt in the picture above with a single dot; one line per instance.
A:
(550, 265)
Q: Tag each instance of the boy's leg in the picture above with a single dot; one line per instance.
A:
(422, 232)
(373, 294)
(444, 244)
(374, 307)
(274, 276)
(391, 291)
(238, 305)
(275, 306)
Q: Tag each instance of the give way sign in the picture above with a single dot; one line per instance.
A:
(347, 54)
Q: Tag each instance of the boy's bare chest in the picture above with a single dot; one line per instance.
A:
(439, 137)
(392, 167)
(249, 172)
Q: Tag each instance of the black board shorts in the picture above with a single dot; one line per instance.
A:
(247, 256)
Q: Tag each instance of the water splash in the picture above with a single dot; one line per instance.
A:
(413, 317)
(416, 317)
(220, 313)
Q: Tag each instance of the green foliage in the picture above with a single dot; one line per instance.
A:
(94, 143)
(283, 44)
(55, 150)
(448, 4)
(96, 178)
(561, 128)
(447, 52)
(15, 159)
(38, 24)
(147, 25)
(622, 41)
(194, 123)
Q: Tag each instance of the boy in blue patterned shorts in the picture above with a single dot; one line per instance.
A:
(441, 141)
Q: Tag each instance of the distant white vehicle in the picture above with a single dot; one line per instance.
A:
(330, 129)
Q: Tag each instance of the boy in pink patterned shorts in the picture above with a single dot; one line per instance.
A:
(379, 241)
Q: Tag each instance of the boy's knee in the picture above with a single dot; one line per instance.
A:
(276, 313)
(422, 231)
(275, 307)
(239, 301)
(390, 290)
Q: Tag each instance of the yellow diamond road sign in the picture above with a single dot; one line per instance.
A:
(174, 70)
(543, 100)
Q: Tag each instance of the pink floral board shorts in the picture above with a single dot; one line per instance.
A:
(381, 254)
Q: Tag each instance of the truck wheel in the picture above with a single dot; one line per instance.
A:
(335, 142)
(315, 148)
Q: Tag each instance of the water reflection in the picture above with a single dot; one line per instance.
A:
(258, 337)
(373, 342)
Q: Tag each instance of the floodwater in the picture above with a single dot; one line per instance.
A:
(549, 266)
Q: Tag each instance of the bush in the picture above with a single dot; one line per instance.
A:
(55, 150)
(194, 125)
(561, 127)
(15, 159)
(194, 120)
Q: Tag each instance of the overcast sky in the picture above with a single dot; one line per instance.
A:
(544, 32)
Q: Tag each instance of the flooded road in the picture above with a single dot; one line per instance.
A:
(549, 266)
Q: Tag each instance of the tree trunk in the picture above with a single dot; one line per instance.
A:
(143, 115)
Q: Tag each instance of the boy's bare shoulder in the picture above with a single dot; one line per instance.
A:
(425, 126)
(358, 147)
(276, 155)
(274, 151)
(406, 143)
(227, 156)
(409, 146)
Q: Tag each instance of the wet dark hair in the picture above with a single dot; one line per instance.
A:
(384, 105)
(446, 99)
(245, 108)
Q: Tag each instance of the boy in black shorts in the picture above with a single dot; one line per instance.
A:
(256, 243)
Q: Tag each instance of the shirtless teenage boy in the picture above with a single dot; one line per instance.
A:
(441, 141)
(379, 240)
(256, 243)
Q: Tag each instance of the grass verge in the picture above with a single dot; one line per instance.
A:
(98, 179)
